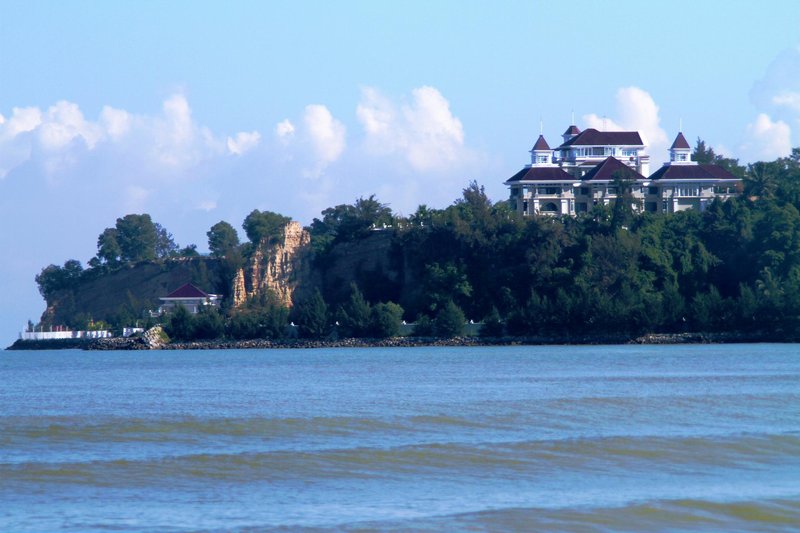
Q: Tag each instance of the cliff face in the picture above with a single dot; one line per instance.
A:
(284, 268)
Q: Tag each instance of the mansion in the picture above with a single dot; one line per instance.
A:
(584, 170)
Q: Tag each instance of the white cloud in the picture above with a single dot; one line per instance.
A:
(636, 111)
(325, 133)
(63, 123)
(766, 139)
(22, 120)
(116, 122)
(284, 130)
(788, 99)
(424, 132)
(243, 142)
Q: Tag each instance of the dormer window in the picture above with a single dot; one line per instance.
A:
(542, 159)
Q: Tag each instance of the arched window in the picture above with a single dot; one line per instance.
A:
(549, 207)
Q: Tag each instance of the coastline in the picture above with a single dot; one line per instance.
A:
(142, 343)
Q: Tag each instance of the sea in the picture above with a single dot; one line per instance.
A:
(515, 438)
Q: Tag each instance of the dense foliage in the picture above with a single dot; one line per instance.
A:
(733, 267)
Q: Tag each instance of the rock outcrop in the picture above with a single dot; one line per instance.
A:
(279, 267)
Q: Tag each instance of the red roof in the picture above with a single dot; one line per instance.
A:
(572, 130)
(187, 291)
(680, 142)
(541, 144)
(592, 137)
(540, 174)
(611, 169)
(692, 172)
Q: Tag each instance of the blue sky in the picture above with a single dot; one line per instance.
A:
(197, 112)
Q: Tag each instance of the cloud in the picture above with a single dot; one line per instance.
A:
(788, 99)
(777, 96)
(424, 131)
(284, 130)
(243, 142)
(766, 139)
(325, 133)
(636, 111)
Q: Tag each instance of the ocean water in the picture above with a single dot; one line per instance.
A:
(590, 438)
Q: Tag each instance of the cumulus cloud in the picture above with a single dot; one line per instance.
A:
(636, 111)
(766, 139)
(325, 133)
(243, 142)
(423, 131)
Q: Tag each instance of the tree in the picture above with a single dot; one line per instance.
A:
(492, 324)
(137, 237)
(354, 315)
(208, 324)
(449, 321)
(265, 226)
(165, 244)
(108, 249)
(386, 320)
(180, 324)
(54, 278)
(222, 238)
(344, 222)
(312, 316)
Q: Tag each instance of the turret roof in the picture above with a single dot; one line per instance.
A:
(572, 130)
(541, 144)
(680, 142)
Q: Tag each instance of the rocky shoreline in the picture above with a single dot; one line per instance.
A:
(153, 340)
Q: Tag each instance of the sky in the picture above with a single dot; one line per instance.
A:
(196, 112)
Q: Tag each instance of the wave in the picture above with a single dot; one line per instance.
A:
(511, 460)
(655, 515)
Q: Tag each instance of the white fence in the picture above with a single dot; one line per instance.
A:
(49, 335)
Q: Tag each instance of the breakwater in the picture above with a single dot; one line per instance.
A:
(151, 341)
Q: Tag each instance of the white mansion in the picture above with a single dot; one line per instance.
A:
(582, 172)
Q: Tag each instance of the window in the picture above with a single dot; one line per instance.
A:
(542, 159)
(585, 190)
(581, 207)
(548, 190)
(687, 190)
(651, 207)
(629, 152)
(611, 190)
(652, 190)
(549, 207)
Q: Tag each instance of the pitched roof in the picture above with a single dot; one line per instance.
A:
(680, 142)
(692, 172)
(187, 291)
(540, 174)
(541, 144)
(572, 130)
(592, 137)
(611, 169)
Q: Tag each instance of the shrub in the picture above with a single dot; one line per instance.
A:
(386, 319)
(449, 321)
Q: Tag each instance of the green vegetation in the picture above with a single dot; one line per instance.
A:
(733, 267)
